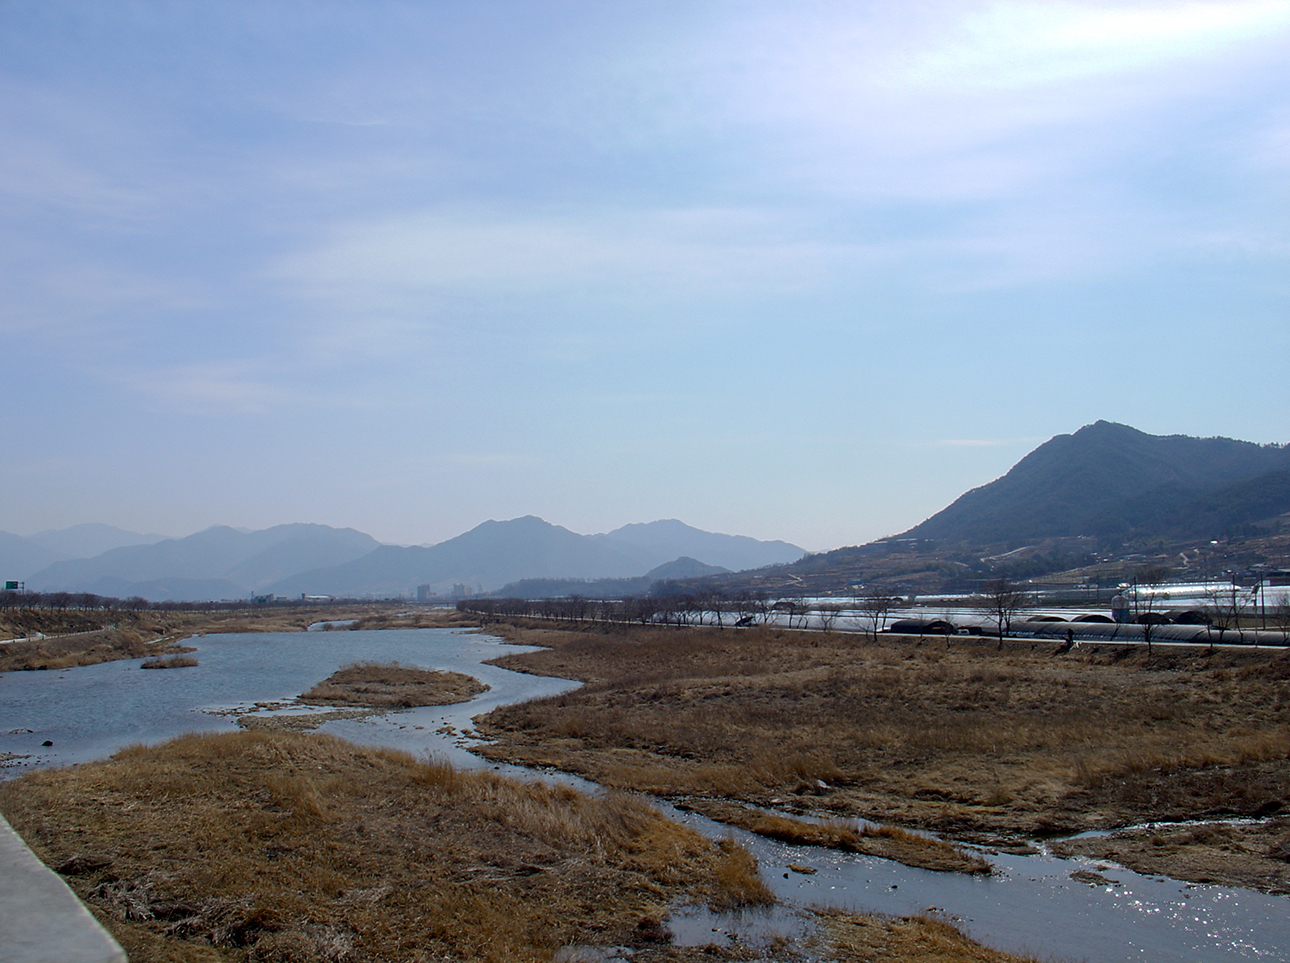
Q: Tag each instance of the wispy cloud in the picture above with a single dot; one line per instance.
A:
(1017, 45)
(231, 387)
(399, 262)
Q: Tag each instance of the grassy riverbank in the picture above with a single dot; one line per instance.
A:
(89, 637)
(256, 846)
(956, 736)
(273, 846)
(261, 847)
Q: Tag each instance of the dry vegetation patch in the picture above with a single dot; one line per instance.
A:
(254, 846)
(885, 842)
(76, 638)
(170, 662)
(1256, 856)
(952, 735)
(389, 685)
(918, 939)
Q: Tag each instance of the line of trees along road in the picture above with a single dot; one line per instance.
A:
(695, 608)
(87, 602)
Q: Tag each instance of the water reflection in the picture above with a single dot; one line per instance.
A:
(91, 712)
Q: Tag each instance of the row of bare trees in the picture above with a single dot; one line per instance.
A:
(999, 601)
(713, 608)
(694, 608)
(89, 602)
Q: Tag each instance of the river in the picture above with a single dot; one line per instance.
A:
(1030, 904)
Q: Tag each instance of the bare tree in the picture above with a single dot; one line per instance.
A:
(1000, 601)
(828, 614)
(874, 609)
(1281, 616)
(796, 608)
(1146, 601)
(1224, 607)
(744, 608)
(718, 604)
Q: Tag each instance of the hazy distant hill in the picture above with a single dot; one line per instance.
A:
(1109, 479)
(657, 542)
(88, 540)
(607, 588)
(685, 567)
(168, 589)
(496, 553)
(20, 557)
(244, 560)
(489, 555)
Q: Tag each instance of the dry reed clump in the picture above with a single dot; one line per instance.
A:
(1255, 856)
(109, 645)
(885, 842)
(171, 662)
(949, 735)
(913, 939)
(738, 882)
(1239, 748)
(389, 685)
(268, 847)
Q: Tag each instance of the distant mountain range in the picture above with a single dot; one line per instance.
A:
(20, 556)
(291, 560)
(219, 562)
(1109, 480)
(496, 553)
(1106, 481)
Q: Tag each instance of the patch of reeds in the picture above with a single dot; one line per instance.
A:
(257, 846)
(390, 685)
(169, 662)
(738, 882)
(926, 938)
(964, 739)
(885, 842)
(1238, 748)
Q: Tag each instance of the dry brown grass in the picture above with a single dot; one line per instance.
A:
(270, 847)
(885, 842)
(1253, 856)
(170, 662)
(948, 735)
(917, 939)
(134, 640)
(389, 685)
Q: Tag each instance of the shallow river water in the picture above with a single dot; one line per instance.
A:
(1030, 904)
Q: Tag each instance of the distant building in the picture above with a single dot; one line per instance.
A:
(423, 593)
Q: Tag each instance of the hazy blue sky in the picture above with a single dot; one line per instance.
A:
(803, 271)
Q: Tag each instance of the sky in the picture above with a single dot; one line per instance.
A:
(799, 271)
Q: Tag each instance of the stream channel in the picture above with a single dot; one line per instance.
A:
(1029, 905)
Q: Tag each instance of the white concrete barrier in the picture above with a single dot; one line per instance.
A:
(41, 919)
